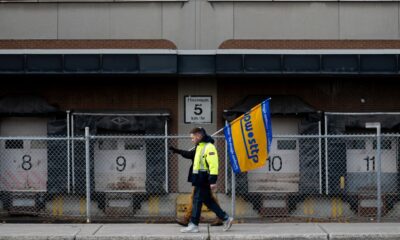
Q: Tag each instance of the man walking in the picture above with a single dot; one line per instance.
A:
(204, 178)
(190, 155)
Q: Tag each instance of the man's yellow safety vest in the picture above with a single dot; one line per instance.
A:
(206, 159)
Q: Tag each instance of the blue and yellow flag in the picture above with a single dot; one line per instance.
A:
(249, 138)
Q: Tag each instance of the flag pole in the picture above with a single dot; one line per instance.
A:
(212, 135)
(236, 119)
(217, 132)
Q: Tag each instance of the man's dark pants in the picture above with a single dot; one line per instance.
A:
(203, 195)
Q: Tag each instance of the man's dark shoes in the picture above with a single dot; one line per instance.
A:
(182, 221)
(217, 222)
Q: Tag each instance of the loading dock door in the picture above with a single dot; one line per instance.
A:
(120, 165)
(281, 172)
(23, 163)
(361, 164)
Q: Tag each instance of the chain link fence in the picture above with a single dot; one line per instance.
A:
(136, 178)
(36, 178)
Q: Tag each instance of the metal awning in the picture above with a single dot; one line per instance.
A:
(149, 121)
(26, 105)
(143, 113)
(200, 62)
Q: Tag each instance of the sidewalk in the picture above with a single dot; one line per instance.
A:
(326, 231)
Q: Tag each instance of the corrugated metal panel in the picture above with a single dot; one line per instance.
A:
(44, 63)
(120, 63)
(378, 63)
(82, 63)
(158, 63)
(262, 63)
(12, 63)
(190, 64)
(340, 64)
(207, 64)
(301, 63)
(229, 64)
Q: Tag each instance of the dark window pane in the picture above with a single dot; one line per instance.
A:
(356, 144)
(286, 144)
(14, 144)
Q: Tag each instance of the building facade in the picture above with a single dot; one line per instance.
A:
(129, 55)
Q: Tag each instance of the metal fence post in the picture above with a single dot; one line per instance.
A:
(320, 156)
(233, 178)
(73, 154)
(87, 158)
(68, 153)
(226, 167)
(326, 157)
(226, 163)
(166, 155)
(377, 125)
(378, 174)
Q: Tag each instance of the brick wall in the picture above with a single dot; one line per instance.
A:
(87, 44)
(229, 44)
(310, 44)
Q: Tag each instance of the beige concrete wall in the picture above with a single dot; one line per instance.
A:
(28, 21)
(200, 24)
(110, 21)
(286, 20)
(374, 20)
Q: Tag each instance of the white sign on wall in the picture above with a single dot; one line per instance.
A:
(198, 109)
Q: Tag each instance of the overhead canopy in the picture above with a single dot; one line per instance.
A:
(222, 61)
(282, 104)
(25, 105)
(138, 121)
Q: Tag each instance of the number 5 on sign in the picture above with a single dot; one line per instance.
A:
(198, 109)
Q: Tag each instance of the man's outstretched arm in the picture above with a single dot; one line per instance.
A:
(186, 154)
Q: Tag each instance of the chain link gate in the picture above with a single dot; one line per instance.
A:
(35, 178)
(136, 179)
(353, 177)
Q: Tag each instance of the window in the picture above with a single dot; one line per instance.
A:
(133, 145)
(14, 144)
(38, 144)
(108, 144)
(287, 144)
(354, 144)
